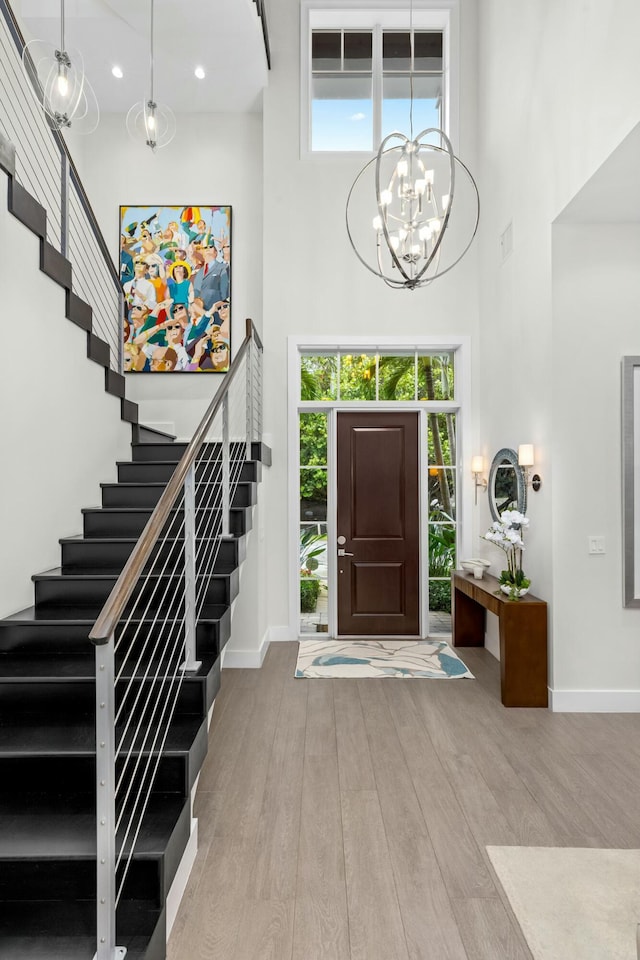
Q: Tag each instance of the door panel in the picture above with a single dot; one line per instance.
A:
(377, 476)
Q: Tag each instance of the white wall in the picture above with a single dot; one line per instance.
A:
(214, 159)
(596, 297)
(549, 116)
(313, 283)
(62, 434)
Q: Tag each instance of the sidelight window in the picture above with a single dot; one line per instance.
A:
(442, 517)
(313, 522)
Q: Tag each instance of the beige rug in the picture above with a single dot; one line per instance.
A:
(573, 904)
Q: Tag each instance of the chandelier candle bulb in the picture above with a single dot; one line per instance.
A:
(63, 82)
(377, 223)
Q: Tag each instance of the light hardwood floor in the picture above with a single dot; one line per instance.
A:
(348, 819)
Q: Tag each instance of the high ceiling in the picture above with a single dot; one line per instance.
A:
(222, 36)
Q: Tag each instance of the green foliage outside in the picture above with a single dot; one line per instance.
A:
(440, 595)
(309, 590)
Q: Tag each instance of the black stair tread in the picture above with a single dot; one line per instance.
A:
(59, 573)
(64, 929)
(149, 510)
(48, 833)
(98, 540)
(86, 616)
(174, 463)
(75, 737)
(126, 484)
(16, 668)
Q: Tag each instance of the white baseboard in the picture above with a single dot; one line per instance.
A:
(181, 878)
(253, 659)
(594, 701)
(281, 634)
(245, 659)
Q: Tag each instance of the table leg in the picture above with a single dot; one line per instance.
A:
(468, 621)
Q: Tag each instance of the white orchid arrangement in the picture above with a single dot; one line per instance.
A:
(507, 533)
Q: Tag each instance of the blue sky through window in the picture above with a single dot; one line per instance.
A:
(341, 125)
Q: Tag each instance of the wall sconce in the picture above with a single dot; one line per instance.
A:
(477, 468)
(526, 461)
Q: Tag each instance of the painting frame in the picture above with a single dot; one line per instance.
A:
(175, 274)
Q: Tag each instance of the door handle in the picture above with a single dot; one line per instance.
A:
(344, 553)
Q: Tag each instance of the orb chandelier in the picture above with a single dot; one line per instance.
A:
(58, 82)
(148, 120)
(419, 233)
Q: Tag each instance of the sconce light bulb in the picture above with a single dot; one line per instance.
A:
(525, 455)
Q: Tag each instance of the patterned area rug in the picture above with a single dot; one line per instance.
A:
(573, 903)
(433, 659)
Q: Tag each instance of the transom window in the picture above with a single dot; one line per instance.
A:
(360, 67)
(413, 375)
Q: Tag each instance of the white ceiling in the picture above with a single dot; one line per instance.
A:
(223, 36)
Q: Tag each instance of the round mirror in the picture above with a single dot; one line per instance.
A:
(507, 487)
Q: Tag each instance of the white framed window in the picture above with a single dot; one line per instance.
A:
(355, 74)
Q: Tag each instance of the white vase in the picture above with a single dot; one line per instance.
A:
(515, 592)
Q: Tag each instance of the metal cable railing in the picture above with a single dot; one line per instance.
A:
(146, 634)
(44, 167)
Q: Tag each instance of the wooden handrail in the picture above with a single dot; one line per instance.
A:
(112, 611)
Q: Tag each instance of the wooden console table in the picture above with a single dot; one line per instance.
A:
(523, 635)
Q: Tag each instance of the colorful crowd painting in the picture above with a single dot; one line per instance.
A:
(175, 271)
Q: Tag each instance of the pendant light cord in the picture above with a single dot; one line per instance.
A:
(411, 54)
(61, 26)
(151, 49)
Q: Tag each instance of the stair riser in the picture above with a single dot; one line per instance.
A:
(74, 777)
(148, 496)
(112, 555)
(162, 593)
(98, 524)
(36, 637)
(145, 452)
(64, 698)
(72, 879)
(158, 472)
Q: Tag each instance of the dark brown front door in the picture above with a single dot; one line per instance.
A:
(377, 472)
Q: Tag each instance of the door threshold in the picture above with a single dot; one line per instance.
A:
(377, 636)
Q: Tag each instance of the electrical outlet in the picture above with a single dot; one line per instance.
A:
(596, 546)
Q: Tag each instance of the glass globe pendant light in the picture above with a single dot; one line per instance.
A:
(150, 121)
(58, 82)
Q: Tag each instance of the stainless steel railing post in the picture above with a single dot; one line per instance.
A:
(190, 661)
(249, 398)
(225, 466)
(106, 803)
(64, 205)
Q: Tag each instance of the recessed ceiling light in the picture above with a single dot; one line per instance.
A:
(199, 72)
(117, 72)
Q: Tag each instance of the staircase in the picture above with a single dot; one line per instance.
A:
(47, 724)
